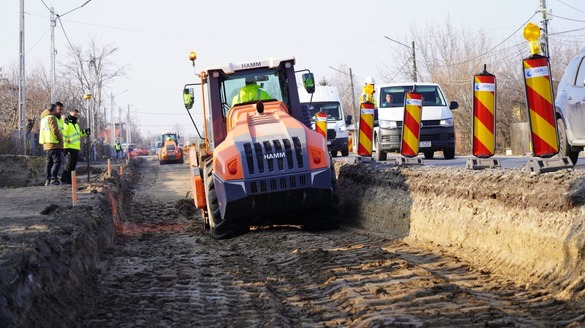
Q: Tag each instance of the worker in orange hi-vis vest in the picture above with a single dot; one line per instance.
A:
(366, 123)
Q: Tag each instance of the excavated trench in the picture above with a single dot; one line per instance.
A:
(526, 226)
(420, 247)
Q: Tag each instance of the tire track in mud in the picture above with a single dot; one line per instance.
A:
(284, 277)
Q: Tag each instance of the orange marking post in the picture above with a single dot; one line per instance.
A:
(366, 132)
(484, 115)
(74, 187)
(321, 124)
(539, 99)
(411, 124)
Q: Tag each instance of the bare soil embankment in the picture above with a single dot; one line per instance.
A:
(525, 226)
(49, 249)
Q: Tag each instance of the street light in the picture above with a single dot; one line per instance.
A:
(88, 147)
(414, 74)
(352, 90)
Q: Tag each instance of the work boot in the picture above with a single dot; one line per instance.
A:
(47, 182)
(55, 182)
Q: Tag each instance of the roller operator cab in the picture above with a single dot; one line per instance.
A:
(326, 98)
(259, 163)
(437, 132)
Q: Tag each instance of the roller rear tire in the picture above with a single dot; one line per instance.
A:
(326, 217)
(217, 228)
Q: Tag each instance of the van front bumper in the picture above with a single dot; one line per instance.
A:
(431, 139)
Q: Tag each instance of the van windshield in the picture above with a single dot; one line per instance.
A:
(332, 109)
(431, 95)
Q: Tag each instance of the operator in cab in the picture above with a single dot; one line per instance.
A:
(251, 91)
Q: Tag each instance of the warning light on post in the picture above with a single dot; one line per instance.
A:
(532, 34)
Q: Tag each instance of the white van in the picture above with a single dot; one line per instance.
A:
(437, 130)
(326, 98)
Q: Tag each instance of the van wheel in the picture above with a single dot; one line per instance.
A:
(381, 155)
(344, 152)
(449, 153)
(429, 154)
(565, 148)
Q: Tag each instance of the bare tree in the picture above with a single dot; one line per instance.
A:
(89, 70)
(37, 99)
(451, 57)
(343, 84)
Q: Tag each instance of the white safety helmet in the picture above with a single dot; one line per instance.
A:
(369, 80)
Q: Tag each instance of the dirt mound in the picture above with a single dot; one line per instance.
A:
(524, 225)
(21, 171)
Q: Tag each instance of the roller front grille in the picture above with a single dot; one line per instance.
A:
(273, 156)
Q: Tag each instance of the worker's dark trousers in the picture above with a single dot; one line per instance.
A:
(71, 156)
(52, 163)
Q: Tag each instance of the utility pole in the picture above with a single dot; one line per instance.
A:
(545, 19)
(22, 84)
(53, 78)
(353, 98)
(53, 22)
(414, 73)
(113, 125)
(128, 135)
(120, 122)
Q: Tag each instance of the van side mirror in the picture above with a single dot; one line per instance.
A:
(188, 97)
(453, 105)
(348, 119)
(309, 82)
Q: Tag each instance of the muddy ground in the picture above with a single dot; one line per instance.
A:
(149, 263)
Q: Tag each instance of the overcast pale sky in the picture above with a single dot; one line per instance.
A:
(155, 37)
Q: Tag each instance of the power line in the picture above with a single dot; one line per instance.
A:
(569, 31)
(490, 50)
(222, 38)
(67, 38)
(39, 40)
(569, 19)
(9, 36)
(400, 70)
(46, 5)
(568, 5)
